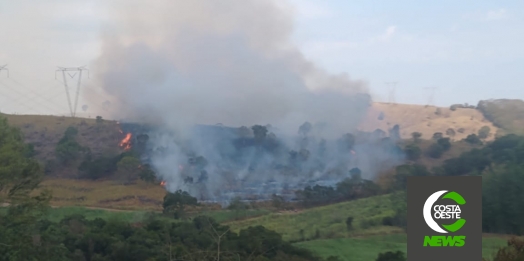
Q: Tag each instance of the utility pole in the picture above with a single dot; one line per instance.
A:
(2, 68)
(72, 108)
(392, 87)
(431, 95)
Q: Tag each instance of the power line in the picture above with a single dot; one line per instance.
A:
(2, 68)
(431, 95)
(392, 87)
(72, 108)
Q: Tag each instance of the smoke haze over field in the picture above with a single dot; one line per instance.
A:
(175, 64)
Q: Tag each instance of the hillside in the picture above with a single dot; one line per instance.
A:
(426, 120)
(505, 113)
(44, 132)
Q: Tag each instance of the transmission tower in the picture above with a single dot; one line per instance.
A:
(392, 87)
(72, 108)
(2, 68)
(431, 95)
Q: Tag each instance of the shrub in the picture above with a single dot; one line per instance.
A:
(484, 132)
(473, 139)
(349, 223)
(444, 143)
(412, 152)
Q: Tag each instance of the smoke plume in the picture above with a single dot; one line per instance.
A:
(175, 64)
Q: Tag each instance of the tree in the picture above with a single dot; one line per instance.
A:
(305, 128)
(484, 132)
(175, 203)
(260, 132)
(19, 176)
(413, 152)
(128, 168)
(437, 135)
(444, 143)
(99, 119)
(450, 132)
(68, 149)
(473, 139)
(416, 136)
(147, 174)
(394, 133)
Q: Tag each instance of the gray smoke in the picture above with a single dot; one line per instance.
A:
(175, 64)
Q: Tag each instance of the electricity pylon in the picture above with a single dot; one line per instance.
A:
(392, 91)
(2, 68)
(431, 95)
(72, 108)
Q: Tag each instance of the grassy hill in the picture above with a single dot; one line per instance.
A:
(328, 221)
(367, 239)
(507, 114)
(426, 120)
(44, 132)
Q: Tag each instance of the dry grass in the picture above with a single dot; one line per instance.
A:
(423, 119)
(105, 194)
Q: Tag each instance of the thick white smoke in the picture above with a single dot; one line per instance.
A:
(179, 63)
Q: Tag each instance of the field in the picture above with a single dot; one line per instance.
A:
(368, 248)
(105, 194)
(329, 220)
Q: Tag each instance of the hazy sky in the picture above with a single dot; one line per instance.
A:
(470, 50)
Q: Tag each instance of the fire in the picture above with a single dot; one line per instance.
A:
(163, 183)
(126, 142)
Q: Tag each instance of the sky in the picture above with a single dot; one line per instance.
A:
(467, 50)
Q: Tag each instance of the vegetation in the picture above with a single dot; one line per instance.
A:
(504, 113)
(68, 149)
(326, 220)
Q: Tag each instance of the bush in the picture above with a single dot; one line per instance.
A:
(473, 139)
(416, 136)
(412, 152)
(444, 143)
(437, 135)
(349, 223)
(484, 132)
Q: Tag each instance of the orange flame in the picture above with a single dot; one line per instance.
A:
(126, 142)
(163, 183)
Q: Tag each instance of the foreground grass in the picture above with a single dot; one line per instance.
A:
(368, 248)
(328, 221)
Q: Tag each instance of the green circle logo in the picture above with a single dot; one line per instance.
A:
(443, 212)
